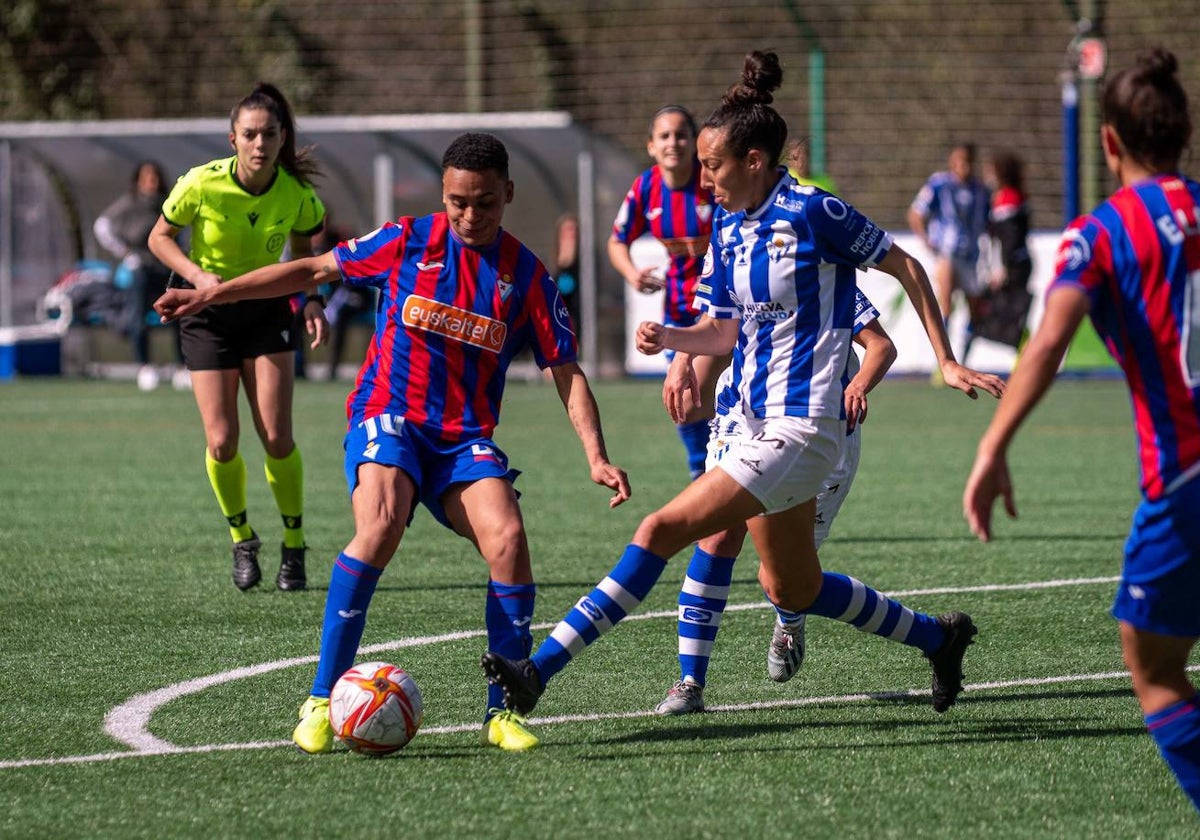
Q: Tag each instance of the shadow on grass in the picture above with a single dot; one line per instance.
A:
(952, 728)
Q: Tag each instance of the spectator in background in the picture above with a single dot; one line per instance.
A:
(1004, 308)
(950, 215)
(122, 230)
(799, 165)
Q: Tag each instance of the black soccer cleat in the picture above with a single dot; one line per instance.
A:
(519, 679)
(291, 568)
(245, 562)
(947, 660)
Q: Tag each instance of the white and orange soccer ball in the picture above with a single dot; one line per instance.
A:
(375, 708)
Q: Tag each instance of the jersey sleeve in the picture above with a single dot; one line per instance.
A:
(1084, 259)
(183, 202)
(371, 259)
(864, 311)
(843, 235)
(554, 340)
(712, 289)
(311, 217)
(631, 220)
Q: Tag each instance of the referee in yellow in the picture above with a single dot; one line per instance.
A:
(242, 210)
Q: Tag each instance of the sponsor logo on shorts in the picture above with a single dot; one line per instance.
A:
(451, 322)
(372, 450)
(483, 452)
(755, 465)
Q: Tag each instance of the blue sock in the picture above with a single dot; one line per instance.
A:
(508, 614)
(1176, 731)
(695, 441)
(350, 589)
(626, 585)
(701, 605)
(787, 616)
(845, 599)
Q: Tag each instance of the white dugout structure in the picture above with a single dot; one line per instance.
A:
(56, 177)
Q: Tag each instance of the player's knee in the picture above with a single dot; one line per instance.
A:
(222, 447)
(661, 534)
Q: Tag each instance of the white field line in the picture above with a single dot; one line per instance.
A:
(129, 722)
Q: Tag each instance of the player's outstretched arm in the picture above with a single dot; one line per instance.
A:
(580, 403)
(1034, 374)
(275, 280)
(905, 268)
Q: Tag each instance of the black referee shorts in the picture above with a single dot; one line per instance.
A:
(222, 336)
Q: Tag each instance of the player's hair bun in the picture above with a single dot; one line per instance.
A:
(1160, 66)
(761, 74)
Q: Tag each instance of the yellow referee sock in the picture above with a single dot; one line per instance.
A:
(228, 480)
(285, 476)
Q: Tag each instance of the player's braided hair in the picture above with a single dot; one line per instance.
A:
(745, 113)
(1148, 108)
(476, 152)
(299, 163)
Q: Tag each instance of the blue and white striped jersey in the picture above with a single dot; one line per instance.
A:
(864, 313)
(787, 270)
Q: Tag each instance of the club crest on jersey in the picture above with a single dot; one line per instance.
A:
(504, 284)
(780, 246)
(704, 212)
(448, 321)
(708, 264)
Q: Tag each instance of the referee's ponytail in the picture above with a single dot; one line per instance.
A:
(299, 163)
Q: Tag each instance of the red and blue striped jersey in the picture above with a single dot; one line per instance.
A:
(681, 219)
(449, 320)
(1137, 257)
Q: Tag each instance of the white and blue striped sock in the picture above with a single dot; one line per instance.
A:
(844, 598)
(702, 602)
(595, 613)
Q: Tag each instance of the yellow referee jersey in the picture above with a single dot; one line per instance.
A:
(234, 231)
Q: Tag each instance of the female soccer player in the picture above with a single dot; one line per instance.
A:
(242, 211)
(1133, 265)
(669, 201)
(778, 283)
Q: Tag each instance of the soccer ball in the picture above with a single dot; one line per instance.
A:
(375, 708)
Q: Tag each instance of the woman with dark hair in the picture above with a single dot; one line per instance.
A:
(1133, 266)
(1003, 308)
(242, 211)
(778, 289)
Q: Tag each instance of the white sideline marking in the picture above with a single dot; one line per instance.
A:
(129, 722)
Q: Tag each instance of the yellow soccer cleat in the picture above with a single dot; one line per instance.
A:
(314, 734)
(506, 730)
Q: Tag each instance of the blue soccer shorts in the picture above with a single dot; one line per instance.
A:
(1160, 581)
(433, 465)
